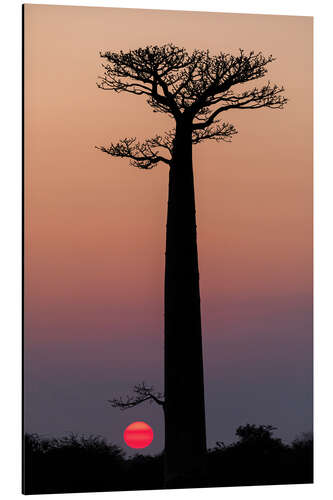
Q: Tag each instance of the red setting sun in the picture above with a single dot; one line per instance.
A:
(138, 435)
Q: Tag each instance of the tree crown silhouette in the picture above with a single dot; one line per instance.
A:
(194, 89)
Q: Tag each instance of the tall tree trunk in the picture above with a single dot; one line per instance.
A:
(185, 429)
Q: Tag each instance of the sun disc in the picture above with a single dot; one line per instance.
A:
(138, 435)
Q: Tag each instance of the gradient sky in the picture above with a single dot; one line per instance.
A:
(95, 230)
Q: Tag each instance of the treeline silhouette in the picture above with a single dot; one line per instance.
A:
(85, 464)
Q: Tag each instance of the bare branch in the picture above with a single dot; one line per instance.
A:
(145, 71)
(219, 73)
(218, 133)
(142, 393)
(143, 155)
(268, 97)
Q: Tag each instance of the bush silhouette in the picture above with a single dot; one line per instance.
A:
(73, 463)
(258, 458)
(77, 463)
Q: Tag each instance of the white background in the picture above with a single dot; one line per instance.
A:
(10, 248)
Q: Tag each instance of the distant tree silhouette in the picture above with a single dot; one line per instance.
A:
(75, 463)
(304, 440)
(194, 90)
(255, 433)
(259, 458)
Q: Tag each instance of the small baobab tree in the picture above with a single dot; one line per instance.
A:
(195, 90)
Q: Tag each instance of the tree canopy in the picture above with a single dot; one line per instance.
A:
(195, 89)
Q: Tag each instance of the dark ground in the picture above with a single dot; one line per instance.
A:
(85, 464)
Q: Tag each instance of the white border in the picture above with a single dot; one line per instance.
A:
(10, 248)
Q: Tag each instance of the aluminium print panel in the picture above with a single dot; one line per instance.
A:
(168, 249)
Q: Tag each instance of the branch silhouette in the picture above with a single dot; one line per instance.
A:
(146, 155)
(142, 155)
(142, 393)
(195, 88)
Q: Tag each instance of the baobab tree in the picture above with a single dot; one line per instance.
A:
(195, 90)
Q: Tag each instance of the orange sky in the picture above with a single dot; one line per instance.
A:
(87, 212)
(95, 227)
